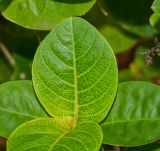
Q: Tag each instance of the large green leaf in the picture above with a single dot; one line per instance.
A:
(44, 14)
(48, 134)
(75, 72)
(135, 116)
(18, 104)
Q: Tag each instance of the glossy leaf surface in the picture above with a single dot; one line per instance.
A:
(18, 104)
(134, 115)
(75, 72)
(44, 14)
(50, 135)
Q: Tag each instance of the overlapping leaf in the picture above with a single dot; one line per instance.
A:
(48, 134)
(44, 14)
(75, 72)
(135, 116)
(18, 104)
(155, 18)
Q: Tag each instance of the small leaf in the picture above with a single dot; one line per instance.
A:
(48, 134)
(155, 21)
(44, 14)
(156, 6)
(75, 72)
(155, 18)
(134, 115)
(18, 104)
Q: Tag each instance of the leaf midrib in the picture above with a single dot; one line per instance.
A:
(75, 80)
(58, 139)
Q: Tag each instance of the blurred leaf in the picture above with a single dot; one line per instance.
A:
(49, 134)
(156, 6)
(149, 147)
(132, 11)
(125, 75)
(4, 4)
(18, 105)
(101, 149)
(19, 40)
(119, 41)
(155, 18)
(22, 69)
(155, 21)
(134, 115)
(140, 30)
(44, 14)
(5, 71)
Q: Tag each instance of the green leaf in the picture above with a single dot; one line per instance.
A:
(75, 72)
(135, 115)
(155, 21)
(48, 134)
(121, 43)
(140, 30)
(155, 18)
(132, 11)
(5, 71)
(4, 4)
(156, 6)
(22, 69)
(18, 105)
(44, 14)
(101, 149)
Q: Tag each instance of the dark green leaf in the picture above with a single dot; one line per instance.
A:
(18, 104)
(134, 118)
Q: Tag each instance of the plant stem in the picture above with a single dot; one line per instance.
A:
(117, 148)
(7, 54)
